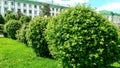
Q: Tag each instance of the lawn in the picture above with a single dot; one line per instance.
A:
(14, 54)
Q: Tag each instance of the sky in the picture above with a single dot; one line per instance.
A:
(110, 5)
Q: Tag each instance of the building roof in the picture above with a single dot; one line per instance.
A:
(105, 12)
(39, 3)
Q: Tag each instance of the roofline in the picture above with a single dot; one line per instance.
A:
(105, 12)
(40, 3)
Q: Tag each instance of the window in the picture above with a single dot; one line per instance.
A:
(12, 3)
(24, 5)
(40, 7)
(30, 11)
(5, 9)
(35, 12)
(60, 9)
(56, 9)
(35, 6)
(18, 4)
(52, 14)
(5, 2)
(52, 9)
(12, 9)
(30, 5)
(24, 11)
(19, 10)
(31, 17)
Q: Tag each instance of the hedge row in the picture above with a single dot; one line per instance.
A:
(78, 37)
(82, 38)
(14, 25)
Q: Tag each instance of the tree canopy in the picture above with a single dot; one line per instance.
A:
(46, 10)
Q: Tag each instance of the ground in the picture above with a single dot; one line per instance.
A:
(14, 54)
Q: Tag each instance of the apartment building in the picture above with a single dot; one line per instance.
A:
(114, 17)
(28, 7)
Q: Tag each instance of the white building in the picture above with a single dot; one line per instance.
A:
(28, 7)
(114, 17)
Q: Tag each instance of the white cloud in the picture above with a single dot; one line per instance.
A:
(110, 7)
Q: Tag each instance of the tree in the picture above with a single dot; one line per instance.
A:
(2, 21)
(19, 14)
(112, 16)
(46, 10)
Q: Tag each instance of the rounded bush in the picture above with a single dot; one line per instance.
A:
(10, 17)
(25, 19)
(36, 38)
(21, 33)
(82, 38)
(11, 27)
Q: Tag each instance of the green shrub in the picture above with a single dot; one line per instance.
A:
(1, 28)
(8, 12)
(21, 33)
(5, 34)
(11, 27)
(25, 19)
(82, 38)
(2, 21)
(10, 17)
(35, 36)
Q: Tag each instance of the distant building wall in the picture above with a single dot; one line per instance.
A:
(27, 7)
(113, 17)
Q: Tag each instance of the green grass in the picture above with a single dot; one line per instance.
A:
(14, 54)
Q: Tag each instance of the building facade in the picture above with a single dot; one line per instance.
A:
(113, 17)
(27, 7)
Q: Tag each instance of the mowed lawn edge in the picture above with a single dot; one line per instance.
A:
(14, 54)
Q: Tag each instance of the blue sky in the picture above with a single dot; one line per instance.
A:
(98, 3)
(110, 5)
